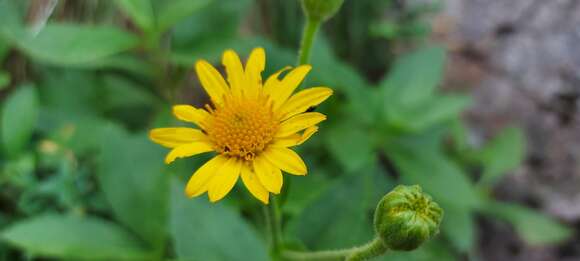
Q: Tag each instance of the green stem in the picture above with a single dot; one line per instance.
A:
(308, 36)
(364, 252)
(273, 220)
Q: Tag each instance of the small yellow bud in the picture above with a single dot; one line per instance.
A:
(406, 217)
(321, 10)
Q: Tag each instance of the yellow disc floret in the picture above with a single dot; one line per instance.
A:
(242, 128)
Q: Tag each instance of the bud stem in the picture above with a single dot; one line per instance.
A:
(308, 36)
(372, 249)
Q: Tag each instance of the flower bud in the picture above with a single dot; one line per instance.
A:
(406, 217)
(321, 10)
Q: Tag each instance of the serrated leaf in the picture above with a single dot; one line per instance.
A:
(534, 227)
(205, 231)
(71, 44)
(19, 117)
(73, 237)
(502, 154)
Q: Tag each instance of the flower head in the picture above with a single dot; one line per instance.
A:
(406, 217)
(249, 125)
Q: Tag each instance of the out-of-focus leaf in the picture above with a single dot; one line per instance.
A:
(303, 191)
(430, 112)
(122, 93)
(502, 154)
(434, 250)
(73, 237)
(427, 166)
(534, 227)
(414, 76)
(140, 11)
(206, 231)
(339, 217)
(69, 44)
(458, 226)
(131, 173)
(352, 147)
(173, 11)
(4, 79)
(19, 116)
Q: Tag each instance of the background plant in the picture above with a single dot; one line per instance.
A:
(80, 91)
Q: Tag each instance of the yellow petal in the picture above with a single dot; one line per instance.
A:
(295, 139)
(235, 71)
(199, 181)
(191, 114)
(188, 150)
(224, 180)
(254, 68)
(173, 137)
(299, 122)
(286, 160)
(290, 82)
(253, 185)
(213, 83)
(301, 101)
(273, 81)
(269, 176)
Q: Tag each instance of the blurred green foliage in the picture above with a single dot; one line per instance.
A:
(80, 180)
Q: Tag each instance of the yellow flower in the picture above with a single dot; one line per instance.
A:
(251, 127)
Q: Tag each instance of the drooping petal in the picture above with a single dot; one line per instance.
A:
(299, 122)
(286, 160)
(280, 94)
(199, 181)
(174, 137)
(235, 72)
(303, 100)
(253, 184)
(191, 114)
(269, 176)
(225, 178)
(212, 81)
(188, 150)
(253, 71)
(295, 139)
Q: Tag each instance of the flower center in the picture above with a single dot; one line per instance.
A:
(242, 128)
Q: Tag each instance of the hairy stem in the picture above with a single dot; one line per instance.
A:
(372, 249)
(308, 36)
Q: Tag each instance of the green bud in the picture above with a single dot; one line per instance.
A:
(406, 217)
(321, 10)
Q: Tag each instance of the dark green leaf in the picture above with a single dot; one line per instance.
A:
(73, 237)
(352, 147)
(173, 11)
(69, 44)
(206, 231)
(131, 173)
(503, 154)
(140, 11)
(19, 116)
(532, 226)
(4, 79)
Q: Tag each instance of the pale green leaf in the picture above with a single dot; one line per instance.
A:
(502, 154)
(19, 118)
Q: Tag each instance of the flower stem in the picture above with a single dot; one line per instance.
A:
(308, 36)
(364, 252)
(273, 220)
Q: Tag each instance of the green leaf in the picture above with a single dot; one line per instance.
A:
(140, 11)
(352, 147)
(458, 226)
(173, 11)
(431, 111)
(73, 237)
(122, 93)
(502, 154)
(19, 117)
(414, 77)
(131, 173)
(69, 44)
(4, 80)
(426, 165)
(206, 231)
(339, 217)
(534, 227)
